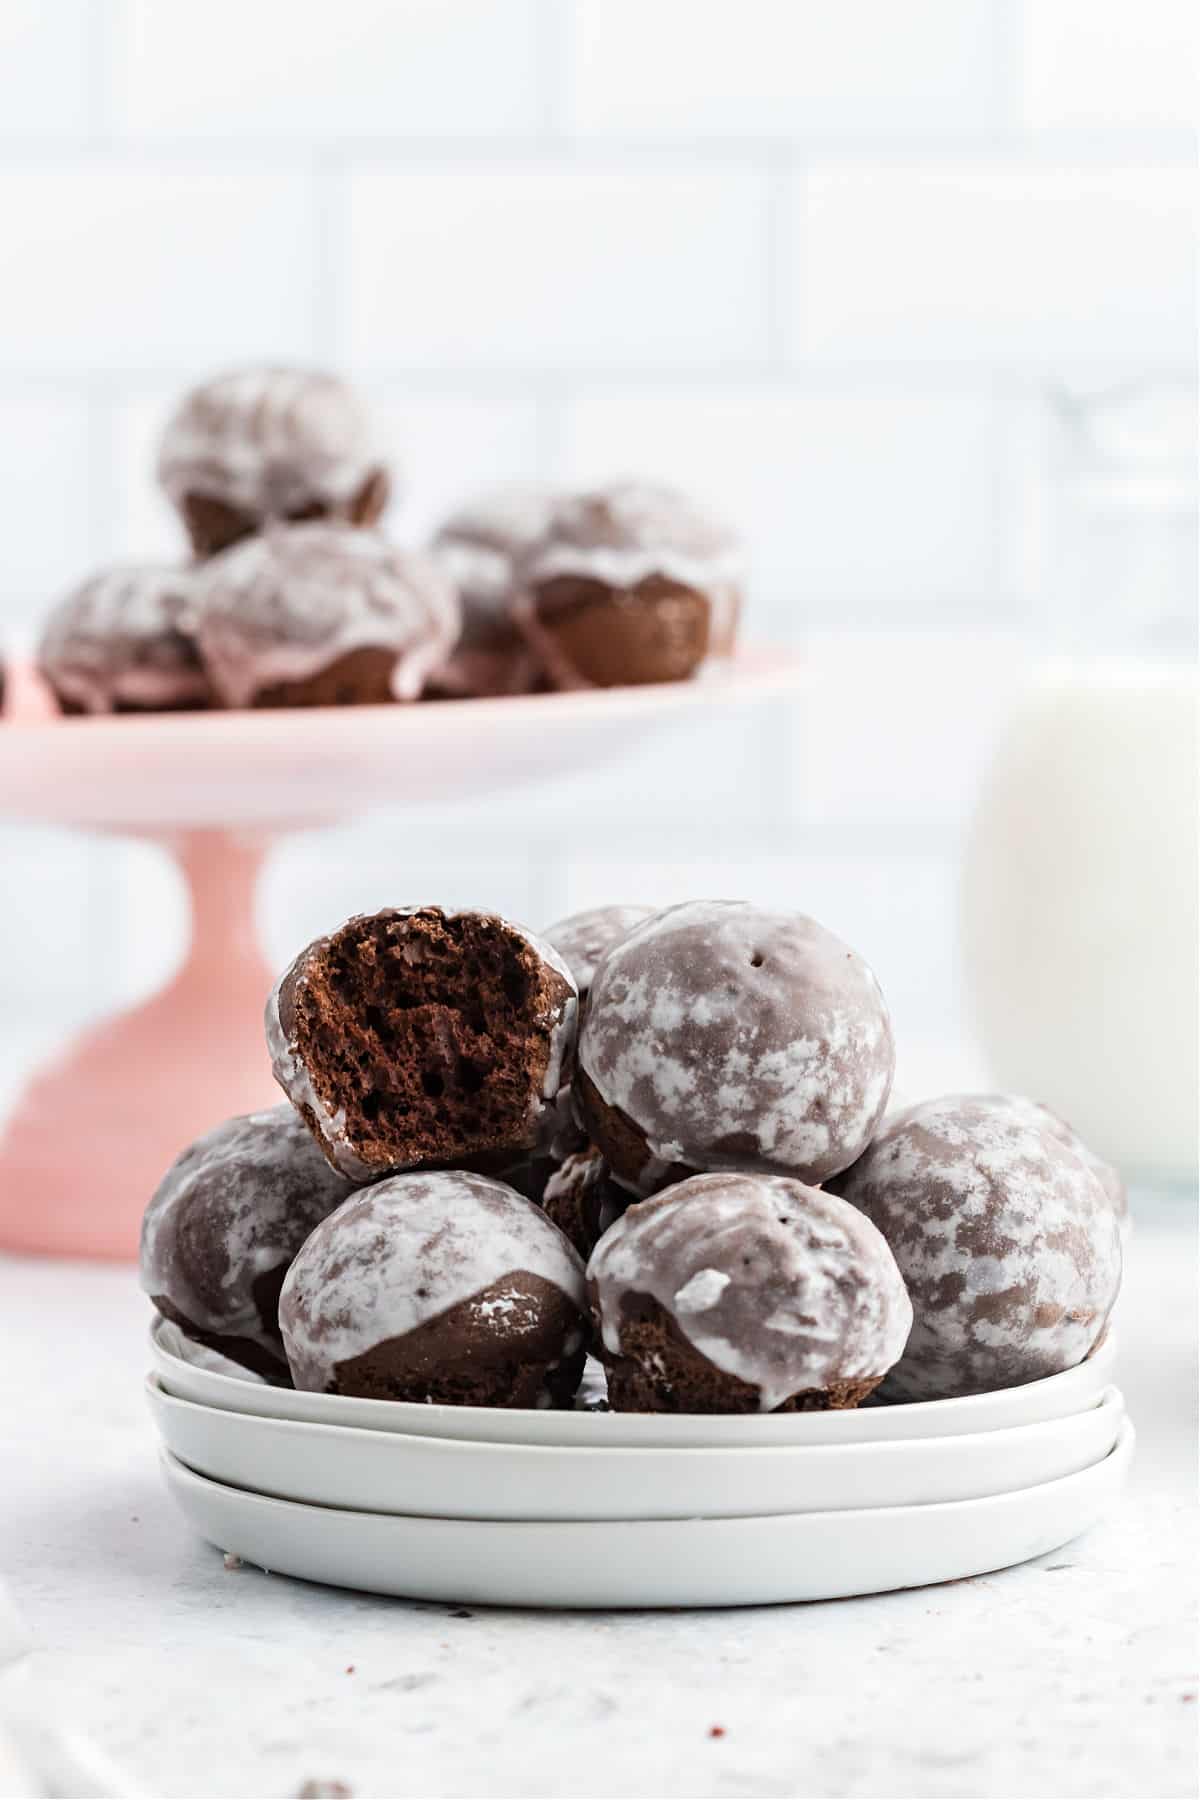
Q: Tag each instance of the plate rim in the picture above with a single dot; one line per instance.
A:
(756, 667)
(737, 1429)
(1120, 1454)
(1109, 1397)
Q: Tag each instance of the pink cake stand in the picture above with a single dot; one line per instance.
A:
(95, 1128)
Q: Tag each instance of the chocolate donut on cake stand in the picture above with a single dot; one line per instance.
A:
(93, 1129)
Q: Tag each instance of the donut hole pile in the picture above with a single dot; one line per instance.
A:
(294, 596)
(661, 1136)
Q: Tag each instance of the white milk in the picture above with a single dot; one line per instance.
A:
(1080, 908)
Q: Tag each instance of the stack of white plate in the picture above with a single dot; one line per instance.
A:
(606, 1509)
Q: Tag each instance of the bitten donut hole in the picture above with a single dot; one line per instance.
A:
(427, 1034)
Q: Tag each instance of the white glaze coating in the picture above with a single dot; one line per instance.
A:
(736, 1037)
(268, 441)
(406, 1251)
(1108, 1176)
(781, 1285)
(547, 1110)
(292, 1074)
(1008, 1244)
(177, 1343)
(621, 568)
(585, 937)
(483, 577)
(478, 547)
(491, 656)
(283, 606)
(578, 1174)
(235, 1205)
(125, 636)
(507, 520)
(623, 533)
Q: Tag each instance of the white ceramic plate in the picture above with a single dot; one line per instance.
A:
(679, 1562)
(390, 1472)
(1057, 1397)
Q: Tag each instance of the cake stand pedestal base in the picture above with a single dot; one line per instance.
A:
(95, 1129)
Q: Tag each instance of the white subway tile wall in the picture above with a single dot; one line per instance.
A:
(296, 70)
(1034, 262)
(534, 264)
(781, 68)
(817, 262)
(1105, 65)
(111, 262)
(46, 472)
(48, 72)
(864, 497)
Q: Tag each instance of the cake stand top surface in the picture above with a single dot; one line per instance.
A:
(175, 771)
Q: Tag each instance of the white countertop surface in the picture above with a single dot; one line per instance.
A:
(1071, 1676)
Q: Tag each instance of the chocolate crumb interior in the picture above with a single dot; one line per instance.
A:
(430, 1033)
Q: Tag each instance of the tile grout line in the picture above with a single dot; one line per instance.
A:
(1133, 147)
(827, 373)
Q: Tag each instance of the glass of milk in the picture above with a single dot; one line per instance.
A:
(1080, 886)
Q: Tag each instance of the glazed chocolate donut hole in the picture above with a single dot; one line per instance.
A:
(124, 641)
(480, 547)
(631, 583)
(585, 938)
(417, 1036)
(223, 1226)
(269, 445)
(720, 1035)
(441, 1288)
(1009, 1245)
(315, 615)
(745, 1293)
